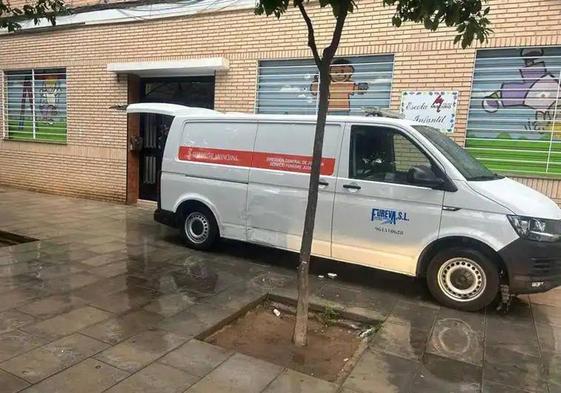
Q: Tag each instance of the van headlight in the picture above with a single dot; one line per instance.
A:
(538, 229)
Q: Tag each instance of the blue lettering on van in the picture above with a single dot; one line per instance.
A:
(388, 216)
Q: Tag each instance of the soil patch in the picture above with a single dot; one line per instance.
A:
(262, 334)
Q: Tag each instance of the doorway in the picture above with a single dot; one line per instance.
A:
(189, 91)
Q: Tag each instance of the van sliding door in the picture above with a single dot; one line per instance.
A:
(278, 185)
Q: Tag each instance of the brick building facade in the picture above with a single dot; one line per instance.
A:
(94, 160)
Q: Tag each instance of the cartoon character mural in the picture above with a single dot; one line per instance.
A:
(538, 91)
(49, 97)
(342, 86)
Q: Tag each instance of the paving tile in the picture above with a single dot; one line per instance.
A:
(112, 269)
(549, 337)
(503, 336)
(103, 259)
(517, 371)
(196, 357)
(371, 304)
(89, 376)
(12, 319)
(491, 387)
(550, 298)
(108, 247)
(238, 374)
(519, 313)
(295, 382)
(400, 340)
(140, 350)
(552, 369)
(155, 378)
(16, 342)
(192, 322)
(69, 322)
(10, 383)
(18, 297)
(381, 373)
(170, 304)
(51, 306)
(123, 301)
(42, 362)
(458, 336)
(443, 375)
(414, 315)
(117, 329)
(548, 315)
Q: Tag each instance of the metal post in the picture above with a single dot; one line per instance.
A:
(553, 124)
(3, 96)
(33, 101)
(317, 95)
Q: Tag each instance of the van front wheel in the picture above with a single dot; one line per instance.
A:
(199, 229)
(463, 278)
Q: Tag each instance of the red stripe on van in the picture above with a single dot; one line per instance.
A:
(276, 161)
(215, 156)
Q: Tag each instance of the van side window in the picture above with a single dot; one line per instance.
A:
(382, 154)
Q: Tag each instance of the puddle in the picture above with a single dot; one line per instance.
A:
(11, 239)
(265, 332)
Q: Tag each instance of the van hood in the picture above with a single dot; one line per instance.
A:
(518, 198)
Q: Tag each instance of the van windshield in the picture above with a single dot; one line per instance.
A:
(468, 166)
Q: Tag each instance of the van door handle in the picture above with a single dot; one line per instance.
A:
(323, 183)
(352, 186)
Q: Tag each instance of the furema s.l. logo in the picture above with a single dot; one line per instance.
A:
(388, 216)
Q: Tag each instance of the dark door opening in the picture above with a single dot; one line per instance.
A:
(192, 91)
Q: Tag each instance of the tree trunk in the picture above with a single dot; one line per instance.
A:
(301, 326)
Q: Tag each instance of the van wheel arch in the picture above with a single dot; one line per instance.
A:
(459, 241)
(191, 205)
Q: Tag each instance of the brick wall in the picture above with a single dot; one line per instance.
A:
(93, 163)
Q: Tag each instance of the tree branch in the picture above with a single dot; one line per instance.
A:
(329, 52)
(311, 36)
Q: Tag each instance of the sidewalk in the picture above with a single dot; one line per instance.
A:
(109, 300)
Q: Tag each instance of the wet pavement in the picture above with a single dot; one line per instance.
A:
(109, 301)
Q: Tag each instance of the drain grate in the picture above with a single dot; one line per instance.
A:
(11, 239)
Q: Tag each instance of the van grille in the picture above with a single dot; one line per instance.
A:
(545, 267)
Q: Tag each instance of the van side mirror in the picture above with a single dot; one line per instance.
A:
(423, 175)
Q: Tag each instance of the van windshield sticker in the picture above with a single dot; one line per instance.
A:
(262, 160)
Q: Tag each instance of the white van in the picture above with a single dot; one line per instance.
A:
(394, 195)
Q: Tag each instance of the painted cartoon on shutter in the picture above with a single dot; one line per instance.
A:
(514, 117)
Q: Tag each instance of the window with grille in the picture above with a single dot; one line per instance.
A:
(514, 124)
(35, 105)
(357, 83)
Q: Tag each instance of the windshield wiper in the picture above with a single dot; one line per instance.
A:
(494, 176)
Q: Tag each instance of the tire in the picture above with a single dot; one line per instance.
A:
(199, 228)
(463, 278)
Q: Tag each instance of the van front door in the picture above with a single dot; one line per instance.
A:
(379, 218)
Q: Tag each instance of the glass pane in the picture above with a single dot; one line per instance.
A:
(36, 105)
(290, 86)
(19, 104)
(50, 110)
(514, 115)
(379, 154)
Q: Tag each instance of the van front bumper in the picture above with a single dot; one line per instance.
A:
(165, 217)
(532, 266)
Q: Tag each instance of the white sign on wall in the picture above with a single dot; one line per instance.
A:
(433, 108)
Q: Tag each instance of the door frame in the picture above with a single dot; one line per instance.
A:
(135, 93)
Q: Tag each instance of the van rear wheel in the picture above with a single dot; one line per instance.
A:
(463, 278)
(199, 229)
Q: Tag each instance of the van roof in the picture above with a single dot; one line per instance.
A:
(168, 109)
(203, 113)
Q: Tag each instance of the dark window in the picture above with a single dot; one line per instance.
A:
(382, 154)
